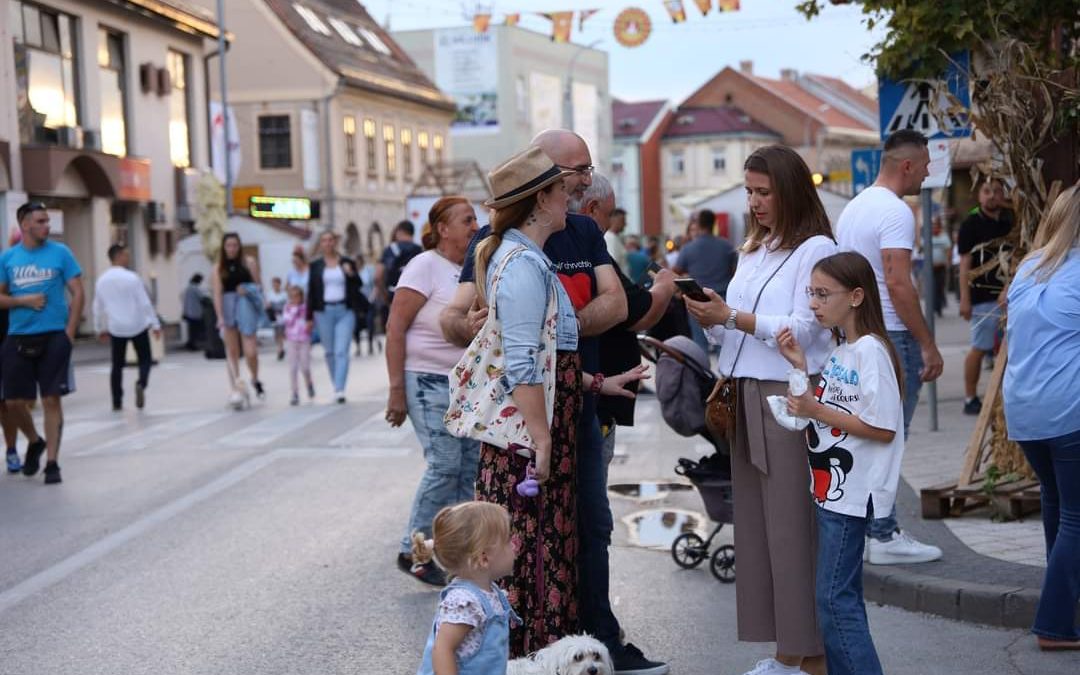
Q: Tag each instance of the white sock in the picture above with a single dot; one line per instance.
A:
(788, 669)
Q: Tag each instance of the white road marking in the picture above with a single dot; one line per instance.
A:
(103, 547)
(272, 428)
(375, 430)
(76, 430)
(153, 436)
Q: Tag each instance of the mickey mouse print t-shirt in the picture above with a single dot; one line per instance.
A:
(847, 472)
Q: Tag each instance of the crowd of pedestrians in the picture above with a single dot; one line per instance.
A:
(550, 296)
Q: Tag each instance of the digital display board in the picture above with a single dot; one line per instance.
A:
(283, 208)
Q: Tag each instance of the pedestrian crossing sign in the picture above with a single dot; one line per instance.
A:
(925, 107)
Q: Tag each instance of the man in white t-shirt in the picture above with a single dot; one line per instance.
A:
(880, 226)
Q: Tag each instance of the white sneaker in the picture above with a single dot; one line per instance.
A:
(901, 549)
(774, 667)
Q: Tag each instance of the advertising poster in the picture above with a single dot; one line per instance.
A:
(546, 100)
(466, 68)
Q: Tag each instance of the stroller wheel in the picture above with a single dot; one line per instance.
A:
(688, 550)
(723, 564)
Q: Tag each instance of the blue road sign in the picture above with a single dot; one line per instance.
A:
(864, 168)
(918, 105)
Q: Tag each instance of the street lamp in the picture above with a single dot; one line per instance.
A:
(568, 97)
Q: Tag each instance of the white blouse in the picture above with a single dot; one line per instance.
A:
(783, 304)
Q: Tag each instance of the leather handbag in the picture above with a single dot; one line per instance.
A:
(723, 400)
(481, 405)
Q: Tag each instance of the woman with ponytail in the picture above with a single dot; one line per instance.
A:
(419, 360)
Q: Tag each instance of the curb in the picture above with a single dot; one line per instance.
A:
(969, 601)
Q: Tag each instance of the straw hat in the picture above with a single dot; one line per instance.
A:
(524, 174)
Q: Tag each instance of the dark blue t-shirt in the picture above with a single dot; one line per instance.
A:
(576, 252)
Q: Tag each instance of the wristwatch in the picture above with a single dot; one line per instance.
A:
(730, 323)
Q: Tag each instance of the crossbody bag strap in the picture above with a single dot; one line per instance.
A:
(498, 275)
(742, 342)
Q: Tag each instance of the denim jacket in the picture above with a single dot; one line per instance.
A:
(520, 304)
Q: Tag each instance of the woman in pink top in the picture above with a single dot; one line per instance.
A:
(419, 361)
(297, 342)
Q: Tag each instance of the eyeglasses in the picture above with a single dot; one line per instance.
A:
(584, 169)
(28, 208)
(820, 293)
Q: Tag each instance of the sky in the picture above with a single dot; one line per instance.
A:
(678, 58)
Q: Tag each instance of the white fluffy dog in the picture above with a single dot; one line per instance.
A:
(572, 655)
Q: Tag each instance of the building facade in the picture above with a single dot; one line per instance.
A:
(329, 108)
(821, 117)
(103, 118)
(511, 83)
(636, 164)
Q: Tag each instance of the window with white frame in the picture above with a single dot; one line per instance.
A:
(345, 31)
(313, 21)
(719, 160)
(406, 154)
(369, 145)
(678, 163)
(390, 143)
(349, 127)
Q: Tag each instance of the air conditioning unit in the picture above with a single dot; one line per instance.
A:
(155, 214)
(70, 137)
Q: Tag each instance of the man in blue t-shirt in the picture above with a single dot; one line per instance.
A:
(710, 261)
(36, 355)
(586, 271)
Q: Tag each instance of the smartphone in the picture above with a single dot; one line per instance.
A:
(653, 269)
(691, 289)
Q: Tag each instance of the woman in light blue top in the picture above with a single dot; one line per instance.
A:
(1042, 408)
(531, 206)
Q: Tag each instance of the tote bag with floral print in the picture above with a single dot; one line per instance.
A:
(481, 406)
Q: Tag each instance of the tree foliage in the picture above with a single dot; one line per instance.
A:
(920, 33)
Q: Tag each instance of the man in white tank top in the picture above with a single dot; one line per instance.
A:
(880, 226)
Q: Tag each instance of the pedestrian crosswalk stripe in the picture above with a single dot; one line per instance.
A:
(375, 431)
(76, 430)
(272, 428)
(153, 436)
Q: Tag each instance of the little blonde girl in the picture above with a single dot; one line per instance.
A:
(297, 342)
(471, 631)
(855, 440)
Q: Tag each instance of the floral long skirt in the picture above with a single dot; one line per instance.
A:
(543, 590)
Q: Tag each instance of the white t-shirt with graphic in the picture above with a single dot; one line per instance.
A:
(846, 471)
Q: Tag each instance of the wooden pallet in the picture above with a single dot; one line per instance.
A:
(1017, 498)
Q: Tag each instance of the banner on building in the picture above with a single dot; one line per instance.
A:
(480, 22)
(675, 10)
(545, 102)
(704, 5)
(728, 5)
(632, 27)
(217, 142)
(466, 68)
(561, 25)
(512, 19)
(586, 112)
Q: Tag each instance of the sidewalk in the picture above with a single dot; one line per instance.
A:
(991, 572)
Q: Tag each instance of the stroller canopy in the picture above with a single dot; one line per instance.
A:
(682, 384)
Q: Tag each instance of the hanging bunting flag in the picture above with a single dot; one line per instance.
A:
(512, 19)
(480, 22)
(561, 25)
(705, 6)
(632, 27)
(676, 10)
(582, 15)
(728, 5)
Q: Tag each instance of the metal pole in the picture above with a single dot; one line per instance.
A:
(568, 99)
(225, 106)
(929, 294)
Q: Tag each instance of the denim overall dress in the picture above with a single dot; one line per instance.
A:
(494, 650)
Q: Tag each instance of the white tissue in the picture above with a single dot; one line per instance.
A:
(798, 383)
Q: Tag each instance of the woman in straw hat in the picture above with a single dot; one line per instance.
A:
(531, 205)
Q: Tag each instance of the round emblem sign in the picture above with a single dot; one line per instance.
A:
(632, 27)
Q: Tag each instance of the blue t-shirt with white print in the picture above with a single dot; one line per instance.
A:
(45, 269)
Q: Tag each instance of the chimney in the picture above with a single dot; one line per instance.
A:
(746, 67)
(789, 74)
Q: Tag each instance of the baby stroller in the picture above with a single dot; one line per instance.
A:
(683, 382)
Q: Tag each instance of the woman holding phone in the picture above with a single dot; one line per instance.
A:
(775, 527)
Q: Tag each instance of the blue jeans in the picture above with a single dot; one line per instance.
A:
(907, 349)
(452, 463)
(1057, 463)
(697, 334)
(336, 323)
(841, 611)
(594, 530)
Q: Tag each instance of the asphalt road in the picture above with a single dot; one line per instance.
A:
(188, 538)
